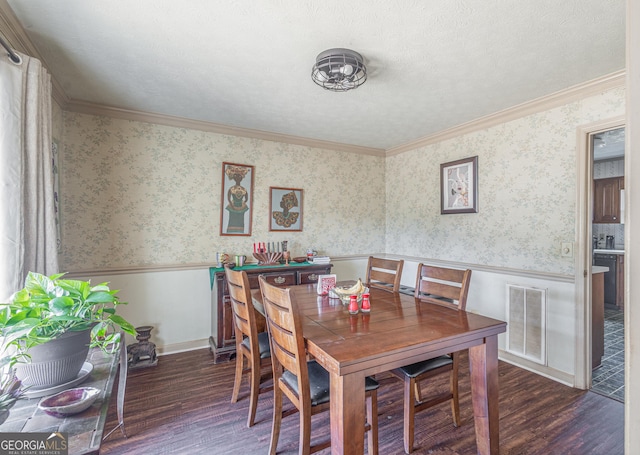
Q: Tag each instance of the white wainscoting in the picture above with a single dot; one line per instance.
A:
(177, 302)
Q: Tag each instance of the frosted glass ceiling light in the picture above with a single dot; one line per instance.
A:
(339, 70)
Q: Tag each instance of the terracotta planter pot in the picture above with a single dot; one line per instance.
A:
(55, 362)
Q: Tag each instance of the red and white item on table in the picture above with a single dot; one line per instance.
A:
(326, 283)
(366, 304)
(353, 304)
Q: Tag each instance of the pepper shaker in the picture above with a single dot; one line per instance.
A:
(353, 304)
(366, 305)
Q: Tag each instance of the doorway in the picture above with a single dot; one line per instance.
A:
(606, 155)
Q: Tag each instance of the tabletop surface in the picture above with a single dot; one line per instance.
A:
(399, 328)
(85, 430)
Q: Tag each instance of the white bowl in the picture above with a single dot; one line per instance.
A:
(70, 401)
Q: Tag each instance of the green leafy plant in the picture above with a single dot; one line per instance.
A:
(48, 307)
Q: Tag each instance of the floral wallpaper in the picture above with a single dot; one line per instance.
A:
(527, 191)
(136, 194)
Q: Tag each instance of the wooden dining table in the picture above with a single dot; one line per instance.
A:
(399, 330)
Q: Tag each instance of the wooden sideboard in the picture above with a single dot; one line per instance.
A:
(222, 340)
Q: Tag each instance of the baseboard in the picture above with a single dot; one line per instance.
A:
(542, 370)
(182, 347)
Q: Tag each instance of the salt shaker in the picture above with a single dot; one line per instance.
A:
(353, 304)
(366, 305)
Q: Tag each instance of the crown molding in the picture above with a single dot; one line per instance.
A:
(541, 104)
(83, 107)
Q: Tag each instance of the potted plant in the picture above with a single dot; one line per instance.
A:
(56, 317)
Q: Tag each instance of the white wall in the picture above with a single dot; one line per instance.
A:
(176, 303)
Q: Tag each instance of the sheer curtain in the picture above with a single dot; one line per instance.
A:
(27, 214)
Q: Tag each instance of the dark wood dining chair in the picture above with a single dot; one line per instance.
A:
(251, 344)
(304, 382)
(447, 287)
(384, 273)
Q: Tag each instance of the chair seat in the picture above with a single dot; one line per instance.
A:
(418, 368)
(319, 383)
(263, 345)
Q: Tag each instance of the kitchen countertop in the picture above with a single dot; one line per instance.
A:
(603, 251)
(598, 269)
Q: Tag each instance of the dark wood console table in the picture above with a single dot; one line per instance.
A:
(222, 341)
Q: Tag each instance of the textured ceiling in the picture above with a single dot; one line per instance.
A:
(432, 64)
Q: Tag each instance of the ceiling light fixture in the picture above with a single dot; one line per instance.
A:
(339, 70)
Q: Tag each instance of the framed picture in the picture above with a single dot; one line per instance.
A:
(285, 209)
(459, 186)
(236, 204)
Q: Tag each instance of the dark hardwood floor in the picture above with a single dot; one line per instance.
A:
(182, 406)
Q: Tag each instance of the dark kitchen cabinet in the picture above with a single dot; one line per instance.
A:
(222, 340)
(606, 199)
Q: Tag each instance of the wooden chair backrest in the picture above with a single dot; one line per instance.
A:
(384, 273)
(244, 316)
(284, 324)
(443, 286)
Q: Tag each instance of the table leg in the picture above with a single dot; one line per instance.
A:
(347, 414)
(483, 366)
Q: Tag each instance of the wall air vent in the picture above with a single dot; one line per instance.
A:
(526, 322)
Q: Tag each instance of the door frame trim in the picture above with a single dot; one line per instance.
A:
(584, 198)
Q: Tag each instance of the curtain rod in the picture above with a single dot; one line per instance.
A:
(15, 58)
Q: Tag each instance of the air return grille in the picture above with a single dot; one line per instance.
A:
(526, 316)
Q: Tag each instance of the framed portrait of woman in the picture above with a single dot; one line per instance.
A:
(285, 209)
(236, 204)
